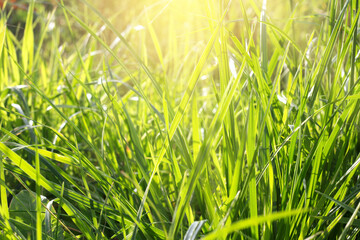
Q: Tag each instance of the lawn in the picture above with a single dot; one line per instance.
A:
(180, 119)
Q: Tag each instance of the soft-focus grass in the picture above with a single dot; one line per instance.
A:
(188, 119)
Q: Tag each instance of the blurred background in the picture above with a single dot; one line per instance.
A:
(175, 22)
(168, 36)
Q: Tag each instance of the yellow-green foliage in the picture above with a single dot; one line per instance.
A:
(180, 119)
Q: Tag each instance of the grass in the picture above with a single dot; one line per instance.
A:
(186, 120)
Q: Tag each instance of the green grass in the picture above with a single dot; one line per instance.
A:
(207, 119)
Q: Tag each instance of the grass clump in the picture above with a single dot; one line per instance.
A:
(219, 121)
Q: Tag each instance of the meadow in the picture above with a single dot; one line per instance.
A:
(180, 119)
